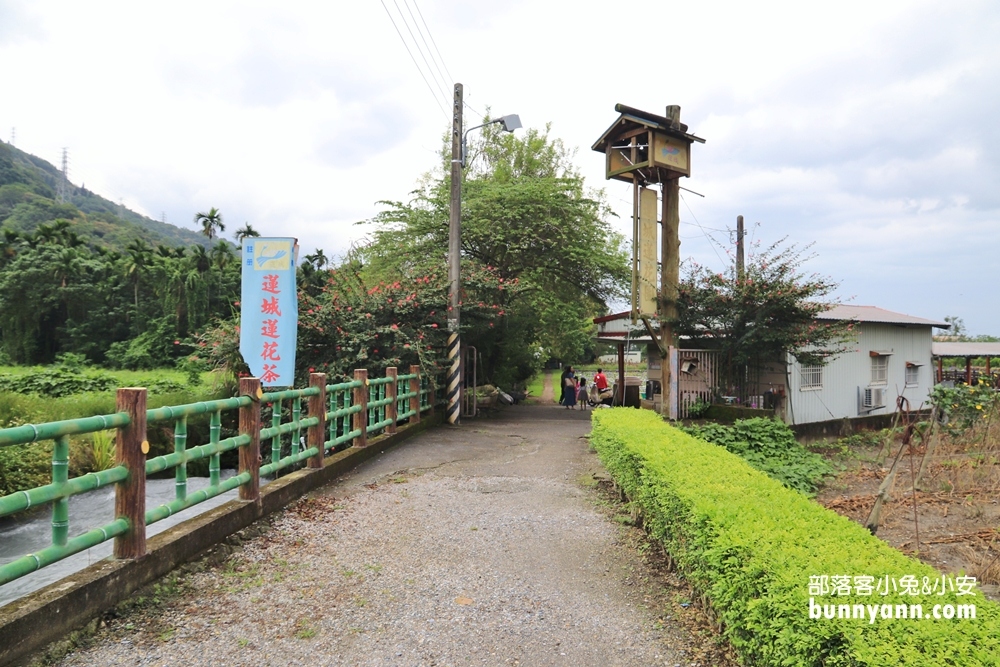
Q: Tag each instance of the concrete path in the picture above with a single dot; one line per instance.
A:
(482, 544)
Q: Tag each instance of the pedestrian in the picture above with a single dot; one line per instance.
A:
(600, 380)
(581, 393)
(568, 382)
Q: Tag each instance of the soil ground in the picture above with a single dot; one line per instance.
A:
(952, 520)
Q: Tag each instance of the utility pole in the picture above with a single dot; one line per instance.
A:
(739, 248)
(454, 383)
(62, 186)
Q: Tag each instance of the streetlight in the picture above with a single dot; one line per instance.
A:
(453, 385)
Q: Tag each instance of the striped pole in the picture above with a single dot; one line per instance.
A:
(454, 383)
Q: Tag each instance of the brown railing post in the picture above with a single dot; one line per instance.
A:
(415, 399)
(391, 392)
(130, 495)
(316, 436)
(250, 425)
(360, 420)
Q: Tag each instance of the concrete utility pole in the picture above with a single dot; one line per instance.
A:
(739, 248)
(454, 383)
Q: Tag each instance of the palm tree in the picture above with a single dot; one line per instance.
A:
(140, 256)
(210, 222)
(222, 255)
(246, 231)
(318, 259)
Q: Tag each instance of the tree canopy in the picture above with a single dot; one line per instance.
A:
(528, 218)
(760, 316)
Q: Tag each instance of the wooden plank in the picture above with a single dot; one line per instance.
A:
(415, 390)
(647, 241)
(360, 397)
(391, 392)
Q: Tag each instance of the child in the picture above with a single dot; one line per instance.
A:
(581, 393)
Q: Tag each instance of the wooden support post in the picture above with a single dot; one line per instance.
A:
(316, 435)
(988, 372)
(392, 393)
(670, 270)
(415, 398)
(968, 371)
(130, 494)
(621, 374)
(250, 425)
(360, 397)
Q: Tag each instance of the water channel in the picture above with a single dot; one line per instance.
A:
(25, 534)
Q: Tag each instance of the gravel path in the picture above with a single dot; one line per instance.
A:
(473, 545)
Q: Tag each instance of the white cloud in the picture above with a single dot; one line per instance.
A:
(866, 128)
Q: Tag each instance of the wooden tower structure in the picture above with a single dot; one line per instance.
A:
(646, 150)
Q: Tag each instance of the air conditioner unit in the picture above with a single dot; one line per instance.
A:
(873, 398)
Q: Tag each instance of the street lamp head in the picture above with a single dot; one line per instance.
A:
(511, 122)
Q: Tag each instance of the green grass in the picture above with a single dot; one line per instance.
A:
(536, 385)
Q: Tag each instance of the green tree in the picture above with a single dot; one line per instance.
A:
(528, 217)
(246, 231)
(757, 318)
(210, 222)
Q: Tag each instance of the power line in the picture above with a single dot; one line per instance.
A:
(426, 45)
(417, 44)
(414, 60)
(711, 240)
(440, 57)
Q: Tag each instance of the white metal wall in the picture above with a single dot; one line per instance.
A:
(838, 397)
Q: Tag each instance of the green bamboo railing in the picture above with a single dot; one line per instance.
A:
(338, 415)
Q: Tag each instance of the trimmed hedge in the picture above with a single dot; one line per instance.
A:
(750, 545)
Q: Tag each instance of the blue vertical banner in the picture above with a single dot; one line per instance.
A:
(269, 309)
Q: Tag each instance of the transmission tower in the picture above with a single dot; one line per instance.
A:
(63, 184)
(13, 135)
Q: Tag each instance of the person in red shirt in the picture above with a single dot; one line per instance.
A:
(600, 380)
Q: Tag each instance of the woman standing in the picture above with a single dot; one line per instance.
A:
(568, 382)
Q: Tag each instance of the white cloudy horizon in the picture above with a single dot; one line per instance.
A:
(864, 129)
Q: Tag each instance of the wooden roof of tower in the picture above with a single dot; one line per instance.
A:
(633, 123)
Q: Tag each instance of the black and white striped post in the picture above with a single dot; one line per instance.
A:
(453, 386)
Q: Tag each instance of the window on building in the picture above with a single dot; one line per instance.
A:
(880, 369)
(812, 377)
(912, 374)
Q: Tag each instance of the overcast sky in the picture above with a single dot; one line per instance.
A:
(869, 129)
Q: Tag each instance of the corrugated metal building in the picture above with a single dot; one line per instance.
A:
(890, 357)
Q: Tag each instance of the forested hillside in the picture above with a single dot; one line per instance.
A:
(28, 198)
(83, 276)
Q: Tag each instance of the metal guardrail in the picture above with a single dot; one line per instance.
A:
(338, 415)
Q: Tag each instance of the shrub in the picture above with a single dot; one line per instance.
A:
(57, 381)
(750, 545)
(769, 446)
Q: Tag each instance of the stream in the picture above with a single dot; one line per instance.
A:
(22, 535)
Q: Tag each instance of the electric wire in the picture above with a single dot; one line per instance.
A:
(427, 46)
(710, 239)
(443, 89)
(440, 57)
(437, 100)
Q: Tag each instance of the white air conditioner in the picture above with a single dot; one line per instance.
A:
(873, 398)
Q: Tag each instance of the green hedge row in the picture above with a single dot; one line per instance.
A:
(750, 546)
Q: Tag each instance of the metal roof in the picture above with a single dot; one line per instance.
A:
(965, 349)
(875, 314)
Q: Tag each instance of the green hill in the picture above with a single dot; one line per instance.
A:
(28, 198)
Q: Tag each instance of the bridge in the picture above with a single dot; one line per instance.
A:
(485, 543)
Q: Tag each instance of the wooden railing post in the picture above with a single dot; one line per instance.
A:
(131, 447)
(360, 420)
(415, 399)
(392, 392)
(250, 425)
(316, 436)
